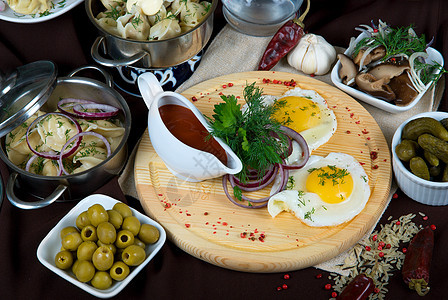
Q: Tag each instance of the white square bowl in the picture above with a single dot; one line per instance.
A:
(434, 55)
(421, 190)
(51, 245)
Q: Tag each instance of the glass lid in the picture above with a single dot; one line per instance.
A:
(23, 92)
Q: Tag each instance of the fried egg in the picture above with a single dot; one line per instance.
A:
(306, 112)
(327, 191)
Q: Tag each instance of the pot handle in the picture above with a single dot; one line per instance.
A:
(107, 77)
(149, 87)
(31, 205)
(114, 62)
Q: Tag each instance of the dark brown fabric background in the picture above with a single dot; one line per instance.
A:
(173, 274)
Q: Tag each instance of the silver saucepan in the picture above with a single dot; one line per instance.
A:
(148, 54)
(48, 189)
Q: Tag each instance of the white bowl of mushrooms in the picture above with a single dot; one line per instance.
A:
(394, 82)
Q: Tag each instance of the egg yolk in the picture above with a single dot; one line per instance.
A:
(332, 184)
(298, 113)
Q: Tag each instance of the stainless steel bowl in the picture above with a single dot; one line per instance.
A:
(148, 54)
(77, 186)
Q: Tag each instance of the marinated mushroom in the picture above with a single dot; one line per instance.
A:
(375, 87)
(348, 71)
(374, 55)
(387, 71)
(403, 89)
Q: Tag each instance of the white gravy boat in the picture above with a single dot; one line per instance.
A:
(182, 160)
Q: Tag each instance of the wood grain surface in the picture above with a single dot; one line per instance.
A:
(199, 218)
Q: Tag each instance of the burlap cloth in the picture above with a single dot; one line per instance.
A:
(233, 52)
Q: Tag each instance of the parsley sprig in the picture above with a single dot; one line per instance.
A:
(249, 133)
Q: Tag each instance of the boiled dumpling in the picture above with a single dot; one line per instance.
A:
(55, 131)
(106, 128)
(158, 16)
(165, 29)
(192, 13)
(27, 7)
(133, 26)
(149, 7)
(110, 4)
(89, 157)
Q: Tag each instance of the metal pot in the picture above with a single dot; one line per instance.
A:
(148, 54)
(66, 187)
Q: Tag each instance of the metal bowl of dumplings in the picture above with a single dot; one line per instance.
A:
(36, 87)
(170, 50)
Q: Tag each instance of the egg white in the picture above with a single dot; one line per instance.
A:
(309, 207)
(320, 134)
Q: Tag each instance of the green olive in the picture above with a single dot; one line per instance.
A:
(88, 233)
(82, 220)
(101, 280)
(64, 260)
(72, 241)
(103, 258)
(115, 218)
(84, 271)
(110, 246)
(97, 214)
(85, 250)
(139, 243)
(75, 266)
(125, 238)
(132, 224)
(106, 233)
(119, 271)
(133, 255)
(123, 209)
(148, 234)
(67, 230)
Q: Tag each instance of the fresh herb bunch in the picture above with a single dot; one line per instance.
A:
(400, 40)
(250, 134)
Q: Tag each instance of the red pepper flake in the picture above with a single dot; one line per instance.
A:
(373, 155)
(256, 230)
(224, 223)
(395, 196)
(230, 84)
(285, 286)
(160, 195)
(375, 167)
(334, 295)
(221, 93)
(404, 250)
(194, 99)
(362, 163)
(381, 254)
(187, 225)
(206, 223)
(261, 239)
(348, 132)
(376, 290)
(206, 213)
(243, 235)
(214, 232)
(358, 122)
(279, 288)
(365, 131)
(352, 115)
(380, 248)
(374, 238)
(368, 248)
(425, 218)
(433, 227)
(252, 238)
(312, 75)
(327, 286)
(318, 276)
(375, 30)
(167, 205)
(286, 276)
(188, 215)
(382, 244)
(397, 223)
(275, 81)
(388, 246)
(224, 86)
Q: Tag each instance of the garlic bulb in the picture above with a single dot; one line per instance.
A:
(313, 55)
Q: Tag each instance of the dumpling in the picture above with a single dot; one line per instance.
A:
(27, 7)
(133, 26)
(89, 157)
(55, 131)
(192, 13)
(107, 23)
(50, 168)
(106, 128)
(160, 15)
(149, 7)
(109, 4)
(165, 29)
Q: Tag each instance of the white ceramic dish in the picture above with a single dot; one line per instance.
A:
(420, 190)
(51, 245)
(59, 7)
(434, 55)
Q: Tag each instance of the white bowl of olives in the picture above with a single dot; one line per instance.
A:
(101, 245)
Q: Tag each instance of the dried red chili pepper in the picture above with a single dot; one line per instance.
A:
(286, 38)
(417, 261)
(358, 289)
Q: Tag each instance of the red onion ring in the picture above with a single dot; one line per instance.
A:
(255, 184)
(51, 154)
(226, 191)
(106, 111)
(302, 143)
(70, 102)
(78, 136)
(30, 162)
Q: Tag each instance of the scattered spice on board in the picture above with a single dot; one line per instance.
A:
(382, 250)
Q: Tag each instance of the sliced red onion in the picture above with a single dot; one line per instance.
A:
(255, 184)
(70, 102)
(79, 136)
(51, 154)
(226, 191)
(302, 143)
(105, 111)
(30, 162)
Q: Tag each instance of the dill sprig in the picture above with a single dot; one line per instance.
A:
(249, 133)
(395, 40)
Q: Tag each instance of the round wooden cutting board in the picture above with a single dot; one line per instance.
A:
(199, 218)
